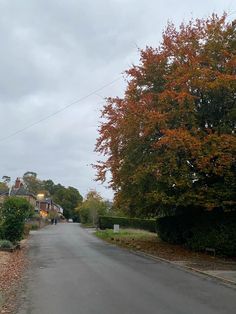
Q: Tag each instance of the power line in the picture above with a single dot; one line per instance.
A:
(59, 110)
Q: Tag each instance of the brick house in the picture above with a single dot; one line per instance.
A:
(18, 190)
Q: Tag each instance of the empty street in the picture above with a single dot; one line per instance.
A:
(73, 272)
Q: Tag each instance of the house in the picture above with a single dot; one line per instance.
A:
(18, 190)
(57, 208)
(41, 205)
(44, 206)
(22, 192)
(47, 205)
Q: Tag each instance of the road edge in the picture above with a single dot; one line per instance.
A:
(189, 269)
(224, 281)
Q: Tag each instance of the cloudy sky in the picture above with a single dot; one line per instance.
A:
(56, 52)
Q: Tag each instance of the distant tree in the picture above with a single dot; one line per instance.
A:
(32, 183)
(170, 142)
(92, 206)
(68, 198)
(30, 174)
(49, 186)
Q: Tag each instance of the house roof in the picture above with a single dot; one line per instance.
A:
(21, 191)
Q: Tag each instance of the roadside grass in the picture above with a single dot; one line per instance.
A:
(147, 242)
(87, 225)
(126, 234)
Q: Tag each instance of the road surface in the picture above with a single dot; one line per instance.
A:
(72, 272)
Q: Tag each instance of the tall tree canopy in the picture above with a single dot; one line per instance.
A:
(170, 142)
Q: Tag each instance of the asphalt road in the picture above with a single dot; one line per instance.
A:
(73, 272)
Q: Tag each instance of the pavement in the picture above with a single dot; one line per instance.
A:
(227, 277)
(71, 272)
(225, 271)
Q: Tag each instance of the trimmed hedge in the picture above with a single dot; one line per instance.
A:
(107, 222)
(1, 232)
(172, 229)
(207, 230)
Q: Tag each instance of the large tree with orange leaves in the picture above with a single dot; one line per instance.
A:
(170, 143)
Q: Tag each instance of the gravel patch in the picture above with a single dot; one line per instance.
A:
(11, 270)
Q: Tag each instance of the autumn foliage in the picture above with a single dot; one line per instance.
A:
(169, 143)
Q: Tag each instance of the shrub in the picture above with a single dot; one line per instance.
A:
(27, 228)
(216, 231)
(174, 229)
(34, 226)
(5, 244)
(15, 211)
(1, 231)
(207, 230)
(107, 222)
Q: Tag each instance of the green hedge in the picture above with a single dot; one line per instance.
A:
(207, 230)
(1, 232)
(175, 229)
(106, 222)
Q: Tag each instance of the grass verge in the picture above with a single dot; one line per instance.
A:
(139, 240)
(131, 238)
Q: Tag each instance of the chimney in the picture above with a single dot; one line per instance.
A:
(18, 183)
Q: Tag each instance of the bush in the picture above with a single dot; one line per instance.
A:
(1, 231)
(106, 222)
(34, 226)
(207, 230)
(15, 211)
(214, 231)
(174, 229)
(5, 244)
(27, 229)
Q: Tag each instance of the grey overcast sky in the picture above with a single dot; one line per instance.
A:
(54, 52)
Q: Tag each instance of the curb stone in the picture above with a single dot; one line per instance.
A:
(228, 282)
(189, 269)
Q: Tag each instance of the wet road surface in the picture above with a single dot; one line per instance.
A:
(73, 272)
